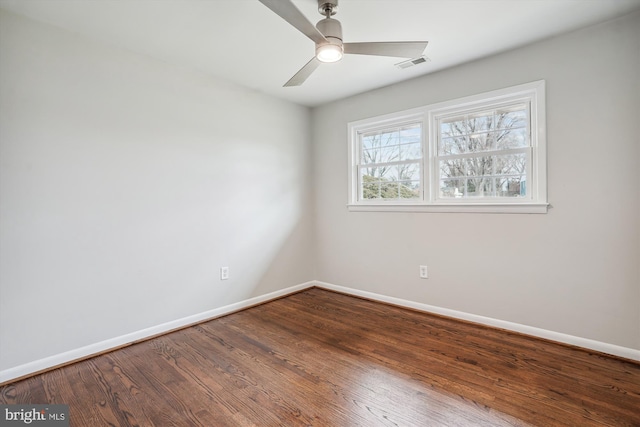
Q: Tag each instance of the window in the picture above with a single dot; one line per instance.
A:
(390, 166)
(484, 153)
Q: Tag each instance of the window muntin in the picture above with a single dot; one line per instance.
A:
(482, 153)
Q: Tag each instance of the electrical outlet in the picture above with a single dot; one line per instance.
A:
(224, 273)
(424, 273)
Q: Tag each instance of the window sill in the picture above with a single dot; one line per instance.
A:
(511, 208)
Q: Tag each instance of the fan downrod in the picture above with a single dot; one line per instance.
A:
(327, 8)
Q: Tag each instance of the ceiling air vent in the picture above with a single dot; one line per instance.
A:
(411, 62)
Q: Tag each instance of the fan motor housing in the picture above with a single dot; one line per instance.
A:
(330, 28)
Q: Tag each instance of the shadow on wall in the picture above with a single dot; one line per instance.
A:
(266, 232)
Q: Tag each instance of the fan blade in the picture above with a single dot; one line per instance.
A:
(399, 49)
(304, 73)
(287, 11)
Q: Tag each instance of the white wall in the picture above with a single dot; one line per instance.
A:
(574, 270)
(125, 183)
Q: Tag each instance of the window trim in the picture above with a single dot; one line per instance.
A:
(532, 93)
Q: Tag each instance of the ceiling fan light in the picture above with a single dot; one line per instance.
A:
(329, 53)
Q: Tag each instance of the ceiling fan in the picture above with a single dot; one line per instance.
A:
(327, 35)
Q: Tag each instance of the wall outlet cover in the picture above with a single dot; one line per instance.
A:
(424, 272)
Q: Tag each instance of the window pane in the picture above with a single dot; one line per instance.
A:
(370, 188)
(512, 164)
(391, 183)
(452, 188)
(512, 138)
(454, 127)
(391, 173)
(394, 190)
(512, 117)
(473, 143)
(389, 138)
(479, 166)
(480, 122)
(381, 155)
(514, 186)
(372, 172)
(410, 151)
(409, 189)
(370, 141)
(479, 142)
(409, 172)
(389, 154)
(411, 134)
(390, 190)
(452, 146)
(369, 156)
(480, 187)
(511, 127)
(376, 174)
(452, 168)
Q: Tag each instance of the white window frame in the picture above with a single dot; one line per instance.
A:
(533, 94)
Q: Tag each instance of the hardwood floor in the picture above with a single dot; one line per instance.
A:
(319, 358)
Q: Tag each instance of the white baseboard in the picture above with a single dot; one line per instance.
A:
(616, 350)
(124, 340)
(36, 366)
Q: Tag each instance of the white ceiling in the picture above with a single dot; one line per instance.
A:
(243, 41)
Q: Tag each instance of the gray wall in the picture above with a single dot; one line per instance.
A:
(126, 183)
(574, 270)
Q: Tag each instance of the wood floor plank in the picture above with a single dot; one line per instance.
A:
(381, 399)
(587, 399)
(319, 358)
